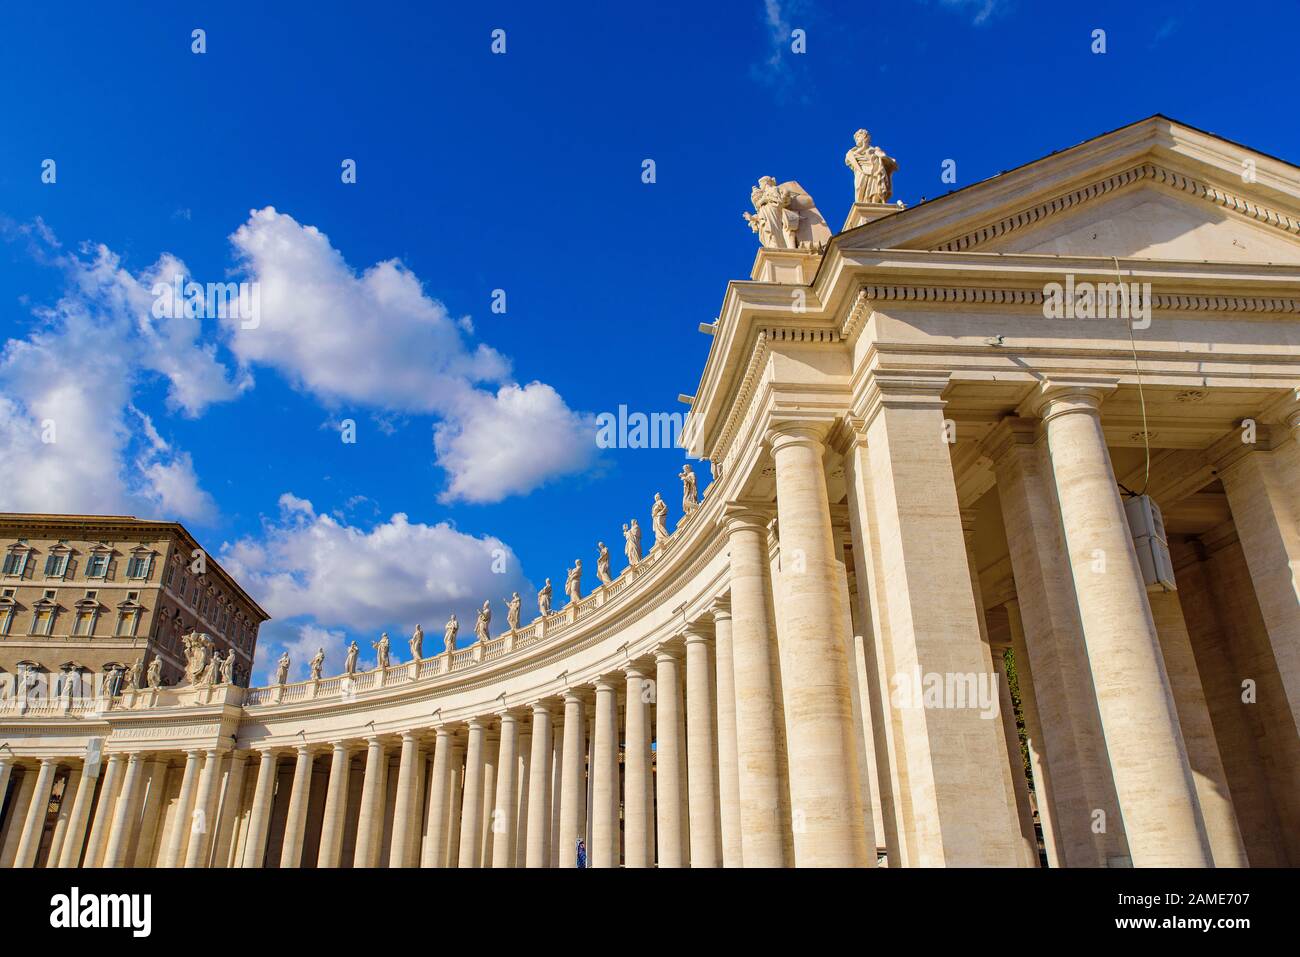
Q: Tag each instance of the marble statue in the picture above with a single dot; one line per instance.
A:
(690, 501)
(632, 536)
(512, 611)
(282, 669)
(317, 663)
(154, 674)
(602, 564)
(659, 519)
(873, 170)
(209, 676)
(417, 644)
(133, 675)
(228, 669)
(775, 222)
(483, 621)
(196, 655)
(381, 651)
(350, 663)
(573, 582)
(449, 632)
(544, 599)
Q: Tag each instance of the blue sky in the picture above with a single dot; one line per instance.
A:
(475, 172)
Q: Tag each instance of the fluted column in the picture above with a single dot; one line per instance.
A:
(701, 753)
(670, 759)
(295, 821)
(505, 813)
(333, 821)
(125, 813)
(370, 819)
(34, 825)
(103, 822)
(1152, 777)
(260, 819)
(471, 804)
(14, 833)
(405, 825)
(728, 770)
(637, 802)
(538, 853)
(825, 792)
(573, 782)
(605, 798)
(757, 710)
(433, 854)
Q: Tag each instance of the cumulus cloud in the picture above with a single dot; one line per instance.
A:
(398, 573)
(377, 339)
(68, 429)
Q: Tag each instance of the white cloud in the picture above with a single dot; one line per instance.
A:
(398, 573)
(68, 429)
(379, 340)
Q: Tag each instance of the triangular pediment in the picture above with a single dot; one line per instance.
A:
(1156, 189)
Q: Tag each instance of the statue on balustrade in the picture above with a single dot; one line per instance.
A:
(512, 611)
(484, 620)
(381, 651)
(449, 633)
(209, 676)
(659, 519)
(350, 662)
(196, 655)
(632, 536)
(133, 676)
(154, 674)
(573, 582)
(544, 599)
(689, 492)
(282, 669)
(873, 170)
(317, 664)
(417, 644)
(602, 564)
(228, 669)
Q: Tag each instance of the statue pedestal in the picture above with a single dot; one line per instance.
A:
(791, 266)
(315, 687)
(862, 213)
(541, 628)
(413, 668)
(279, 694)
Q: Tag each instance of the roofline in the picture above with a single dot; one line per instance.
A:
(127, 522)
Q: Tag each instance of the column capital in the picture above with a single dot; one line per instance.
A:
(606, 682)
(720, 609)
(543, 705)
(745, 514)
(1011, 432)
(784, 433)
(1060, 395)
(665, 654)
(900, 390)
(635, 669)
(696, 632)
(1231, 450)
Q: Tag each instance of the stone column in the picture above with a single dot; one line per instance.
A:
(1078, 791)
(455, 791)
(605, 803)
(295, 821)
(231, 804)
(334, 819)
(504, 821)
(6, 768)
(125, 813)
(471, 809)
(205, 812)
(1038, 763)
(573, 780)
(151, 815)
(70, 785)
(260, 819)
(1261, 485)
(637, 802)
(491, 758)
(103, 821)
(757, 711)
(557, 785)
(75, 838)
(728, 770)
(18, 816)
(1211, 781)
(1148, 759)
(37, 808)
(523, 765)
(370, 819)
(825, 792)
(435, 835)
(405, 814)
(539, 790)
(670, 759)
(702, 792)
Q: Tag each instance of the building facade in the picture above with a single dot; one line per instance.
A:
(935, 440)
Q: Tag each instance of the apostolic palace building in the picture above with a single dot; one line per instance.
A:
(996, 566)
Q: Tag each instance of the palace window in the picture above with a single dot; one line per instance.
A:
(140, 566)
(127, 621)
(7, 609)
(167, 575)
(185, 587)
(97, 565)
(15, 562)
(43, 618)
(56, 563)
